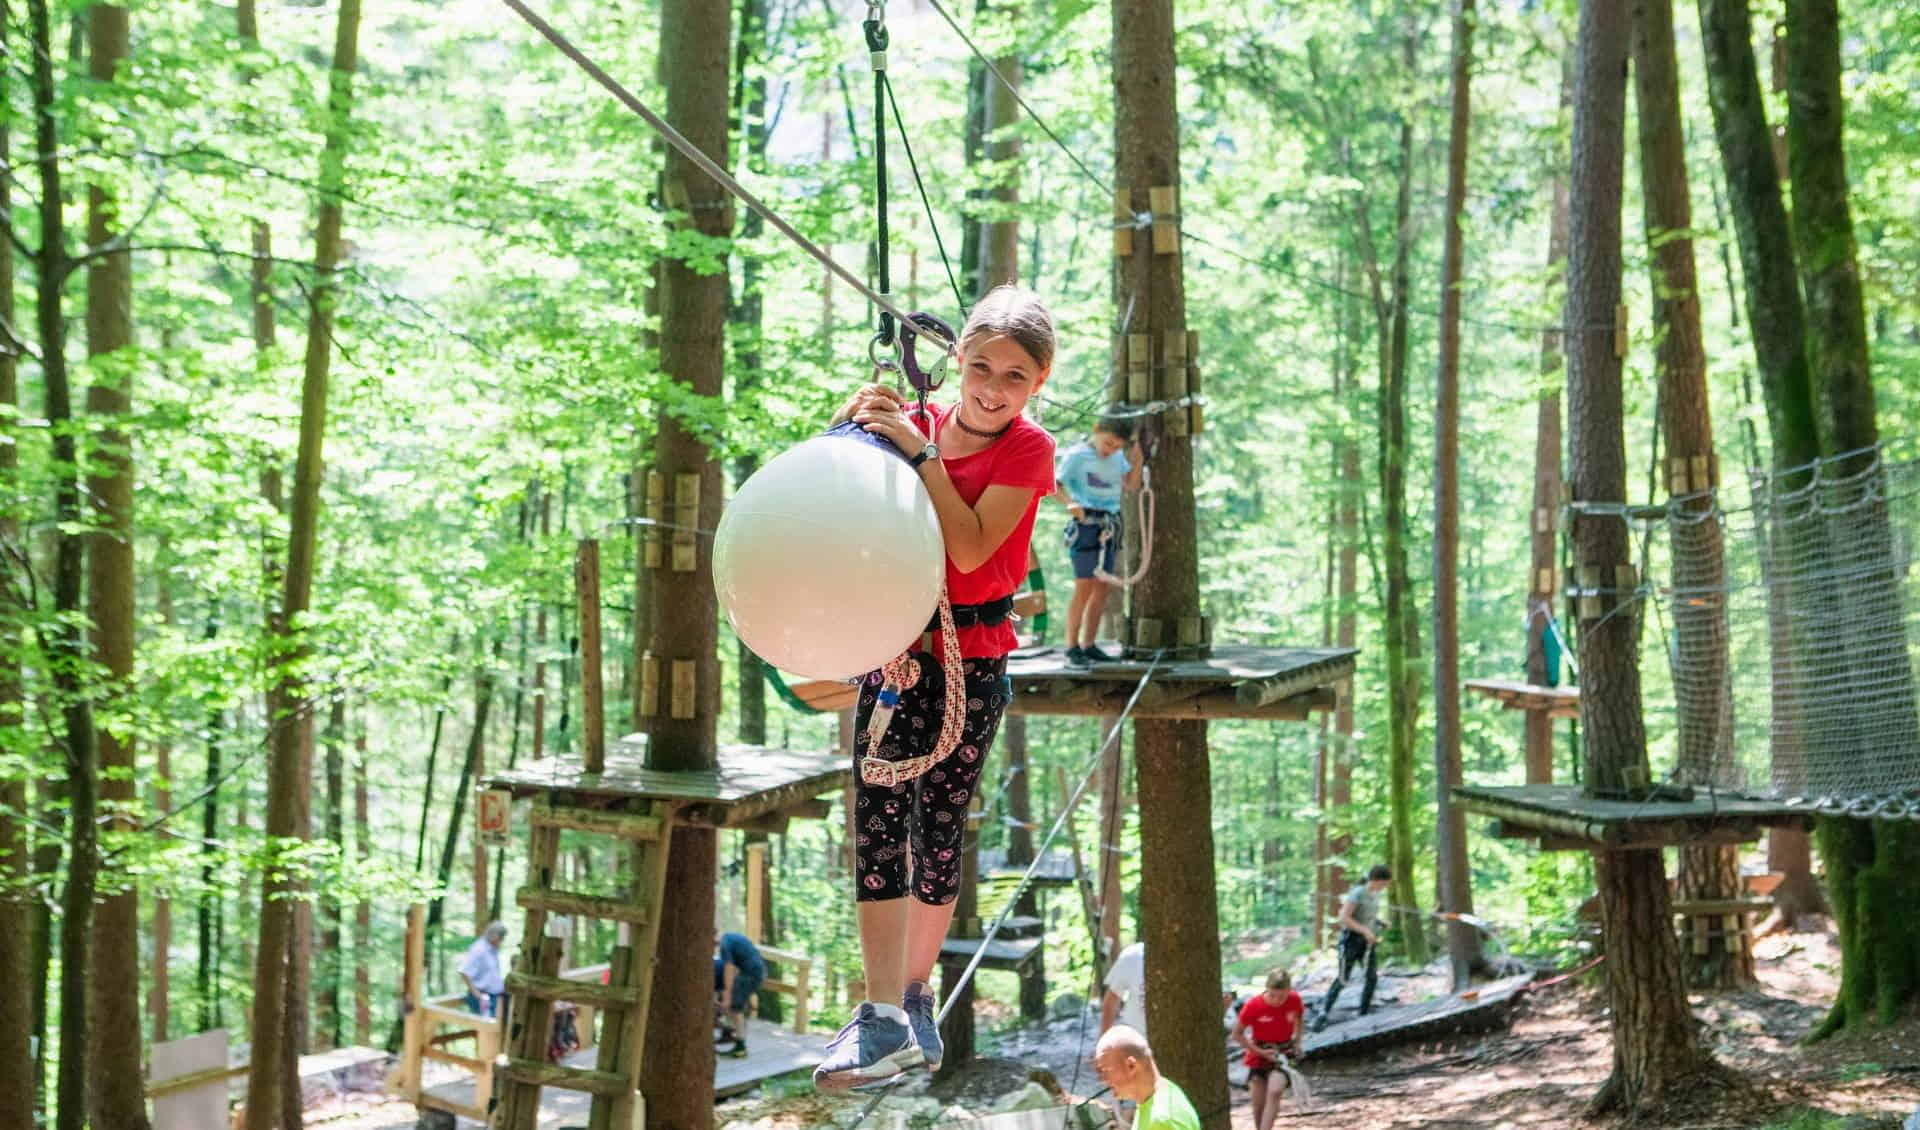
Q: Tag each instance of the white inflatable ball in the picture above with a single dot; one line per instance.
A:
(829, 560)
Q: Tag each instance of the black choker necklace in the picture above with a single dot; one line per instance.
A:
(977, 431)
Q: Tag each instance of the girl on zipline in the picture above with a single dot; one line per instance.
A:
(986, 467)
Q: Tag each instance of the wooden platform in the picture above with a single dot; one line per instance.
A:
(752, 781)
(1056, 868)
(1559, 702)
(774, 1051)
(1236, 681)
(1482, 1008)
(1011, 954)
(1563, 818)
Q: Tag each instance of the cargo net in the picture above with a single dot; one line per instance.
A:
(1790, 666)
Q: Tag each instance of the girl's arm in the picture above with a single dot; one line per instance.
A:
(972, 533)
(1136, 464)
(1240, 1035)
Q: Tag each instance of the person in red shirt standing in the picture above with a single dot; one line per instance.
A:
(986, 466)
(1269, 1027)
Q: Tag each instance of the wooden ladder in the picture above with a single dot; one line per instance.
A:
(535, 984)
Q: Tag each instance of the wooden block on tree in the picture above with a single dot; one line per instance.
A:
(649, 685)
(685, 698)
(1173, 380)
(686, 520)
(1139, 368)
(1164, 201)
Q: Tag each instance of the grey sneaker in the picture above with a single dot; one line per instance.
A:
(870, 1048)
(919, 1005)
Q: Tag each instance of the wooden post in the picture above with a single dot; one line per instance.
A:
(412, 976)
(756, 904)
(593, 728)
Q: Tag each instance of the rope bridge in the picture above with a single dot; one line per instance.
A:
(1817, 607)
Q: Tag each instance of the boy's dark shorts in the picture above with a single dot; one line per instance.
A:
(1083, 543)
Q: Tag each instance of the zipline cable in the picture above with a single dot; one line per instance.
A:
(706, 165)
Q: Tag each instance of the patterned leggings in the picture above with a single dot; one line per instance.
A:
(923, 819)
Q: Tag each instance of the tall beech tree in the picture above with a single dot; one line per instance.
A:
(1655, 1048)
(1776, 320)
(1705, 705)
(273, 1098)
(1872, 872)
(119, 1098)
(678, 1072)
(18, 1088)
(1179, 903)
(1456, 879)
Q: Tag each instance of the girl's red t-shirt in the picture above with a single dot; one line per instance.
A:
(1023, 457)
(1271, 1023)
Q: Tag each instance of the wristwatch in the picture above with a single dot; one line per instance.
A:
(931, 451)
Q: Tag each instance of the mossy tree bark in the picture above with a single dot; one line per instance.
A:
(1456, 877)
(1655, 1049)
(1777, 321)
(677, 1072)
(1872, 877)
(1719, 959)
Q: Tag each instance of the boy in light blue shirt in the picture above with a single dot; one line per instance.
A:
(1092, 477)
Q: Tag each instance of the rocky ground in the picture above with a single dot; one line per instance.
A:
(1541, 1072)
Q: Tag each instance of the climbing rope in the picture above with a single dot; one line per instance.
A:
(899, 673)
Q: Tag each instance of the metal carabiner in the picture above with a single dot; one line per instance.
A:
(882, 364)
(925, 381)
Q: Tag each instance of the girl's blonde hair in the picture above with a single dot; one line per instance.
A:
(1017, 313)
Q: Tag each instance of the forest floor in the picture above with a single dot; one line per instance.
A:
(1539, 1072)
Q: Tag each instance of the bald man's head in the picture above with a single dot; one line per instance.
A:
(1125, 1063)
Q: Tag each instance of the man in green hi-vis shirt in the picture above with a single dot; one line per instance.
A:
(1125, 1063)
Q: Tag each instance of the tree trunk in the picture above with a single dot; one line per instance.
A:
(457, 822)
(1179, 904)
(363, 910)
(207, 913)
(748, 313)
(1544, 539)
(1871, 872)
(1000, 233)
(332, 1022)
(1777, 321)
(1347, 621)
(1450, 840)
(1402, 618)
(268, 1100)
(160, 988)
(17, 904)
(71, 660)
(1655, 1048)
(1704, 695)
(678, 1073)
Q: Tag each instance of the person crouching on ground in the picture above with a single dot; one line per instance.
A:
(986, 467)
(1092, 476)
(738, 972)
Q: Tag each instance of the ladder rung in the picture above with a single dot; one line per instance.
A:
(569, 1078)
(584, 906)
(579, 992)
(626, 825)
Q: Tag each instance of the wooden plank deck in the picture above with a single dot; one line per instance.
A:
(1561, 816)
(750, 782)
(1482, 1008)
(1235, 681)
(1056, 868)
(1560, 702)
(1002, 953)
(774, 1051)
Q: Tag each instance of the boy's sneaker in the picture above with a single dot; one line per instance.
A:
(1092, 652)
(870, 1048)
(1077, 657)
(737, 1051)
(921, 1022)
